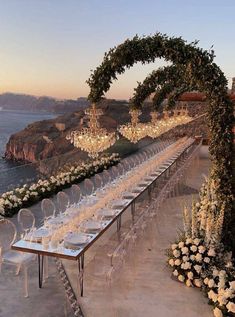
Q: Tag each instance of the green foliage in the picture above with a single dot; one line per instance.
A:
(200, 71)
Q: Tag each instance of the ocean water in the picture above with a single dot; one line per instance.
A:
(11, 173)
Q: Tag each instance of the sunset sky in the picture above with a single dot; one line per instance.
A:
(48, 47)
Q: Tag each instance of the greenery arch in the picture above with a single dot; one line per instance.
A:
(201, 70)
(163, 82)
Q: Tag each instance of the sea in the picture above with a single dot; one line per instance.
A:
(13, 174)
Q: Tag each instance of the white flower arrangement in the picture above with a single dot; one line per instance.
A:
(12, 201)
(197, 258)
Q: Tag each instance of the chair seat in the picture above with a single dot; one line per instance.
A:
(17, 257)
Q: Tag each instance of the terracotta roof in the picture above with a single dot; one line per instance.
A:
(192, 96)
(198, 96)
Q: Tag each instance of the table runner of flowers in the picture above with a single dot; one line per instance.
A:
(198, 258)
(21, 197)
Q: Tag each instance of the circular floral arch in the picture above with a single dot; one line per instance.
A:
(208, 78)
(163, 82)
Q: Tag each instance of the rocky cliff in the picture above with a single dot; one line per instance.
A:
(45, 139)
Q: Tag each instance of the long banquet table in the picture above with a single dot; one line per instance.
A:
(78, 254)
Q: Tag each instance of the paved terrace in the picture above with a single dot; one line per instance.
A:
(143, 286)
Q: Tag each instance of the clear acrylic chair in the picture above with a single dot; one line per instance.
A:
(26, 220)
(63, 201)
(48, 208)
(114, 172)
(18, 259)
(105, 177)
(88, 187)
(75, 194)
(121, 169)
(97, 181)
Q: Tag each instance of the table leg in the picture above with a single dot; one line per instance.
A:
(40, 270)
(149, 193)
(81, 273)
(119, 223)
(133, 211)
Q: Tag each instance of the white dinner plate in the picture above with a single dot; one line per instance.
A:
(76, 238)
(120, 203)
(107, 213)
(92, 225)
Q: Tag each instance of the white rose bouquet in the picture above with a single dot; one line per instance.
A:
(188, 258)
(12, 201)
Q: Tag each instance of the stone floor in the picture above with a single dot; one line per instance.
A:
(143, 287)
(50, 301)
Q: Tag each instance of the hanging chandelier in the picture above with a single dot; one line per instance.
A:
(154, 127)
(93, 139)
(134, 130)
(166, 122)
(182, 117)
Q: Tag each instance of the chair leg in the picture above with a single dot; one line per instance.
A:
(26, 281)
(18, 269)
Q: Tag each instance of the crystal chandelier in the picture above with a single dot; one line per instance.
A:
(166, 122)
(154, 127)
(182, 117)
(93, 139)
(134, 130)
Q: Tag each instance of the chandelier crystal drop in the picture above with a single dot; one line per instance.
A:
(134, 130)
(93, 139)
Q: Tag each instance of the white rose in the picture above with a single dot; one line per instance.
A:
(184, 250)
(176, 253)
(175, 273)
(174, 246)
(192, 257)
(193, 248)
(201, 249)
(206, 280)
(181, 278)
(197, 268)
(221, 283)
(185, 258)
(215, 273)
(222, 273)
(222, 300)
(211, 283)
(232, 285)
(188, 283)
(188, 241)
(181, 244)
(187, 265)
(207, 260)
(212, 295)
(217, 312)
(230, 307)
(183, 266)
(177, 262)
(171, 262)
(228, 293)
(198, 257)
(197, 282)
(196, 241)
(198, 205)
(211, 252)
(190, 275)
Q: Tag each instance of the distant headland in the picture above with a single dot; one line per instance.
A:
(30, 103)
